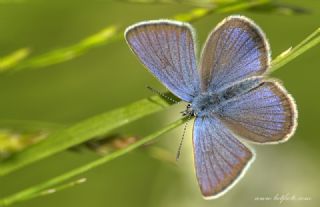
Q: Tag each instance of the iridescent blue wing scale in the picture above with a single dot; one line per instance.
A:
(220, 159)
(236, 49)
(266, 114)
(167, 49)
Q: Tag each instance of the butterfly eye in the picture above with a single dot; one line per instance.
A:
(188, 106)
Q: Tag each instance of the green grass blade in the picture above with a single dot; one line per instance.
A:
(18, 60)
(11, 60)
(34, 190)
(80, 132)
(311, 41)
(12, 142)
(35, 194)
(64, 54)
(17, 135)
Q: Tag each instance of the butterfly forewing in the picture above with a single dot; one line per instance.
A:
(167, 49)
(219, 157)
(236, 49)
(266, 114)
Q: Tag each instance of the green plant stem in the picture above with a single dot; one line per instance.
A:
(30, 192)
(309, 42)
(45, 192)
(64, 54)
(83, 131)
(13, 59)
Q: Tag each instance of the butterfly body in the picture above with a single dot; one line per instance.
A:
(208, 103)
(227, 92)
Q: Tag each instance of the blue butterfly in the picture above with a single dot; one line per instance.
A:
(227, 92)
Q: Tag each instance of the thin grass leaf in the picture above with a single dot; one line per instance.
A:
(12, 141)
(284, 53)
(34, 190)
(16, 135)
(105, 36)
(83, 131)
(60, 187)
(13, 59)
(49, 191)
(289, 55)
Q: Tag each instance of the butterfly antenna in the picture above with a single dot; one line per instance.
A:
(162, 94)
(182, 138)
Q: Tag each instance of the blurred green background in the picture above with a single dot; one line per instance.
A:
(110, 76)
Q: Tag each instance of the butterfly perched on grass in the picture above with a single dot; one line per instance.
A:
(228, 92)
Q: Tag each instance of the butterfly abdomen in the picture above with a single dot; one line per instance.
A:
(240, 88)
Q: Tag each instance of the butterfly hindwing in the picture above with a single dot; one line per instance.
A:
(266, 114)
(167, 49)
(236, 49)
(220, 159)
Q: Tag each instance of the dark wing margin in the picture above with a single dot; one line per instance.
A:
(266, 114)
(167, 49)
(235, 50)
(220, 159)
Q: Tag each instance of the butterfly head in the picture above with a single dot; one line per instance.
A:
(189, 112)
(202, 104)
